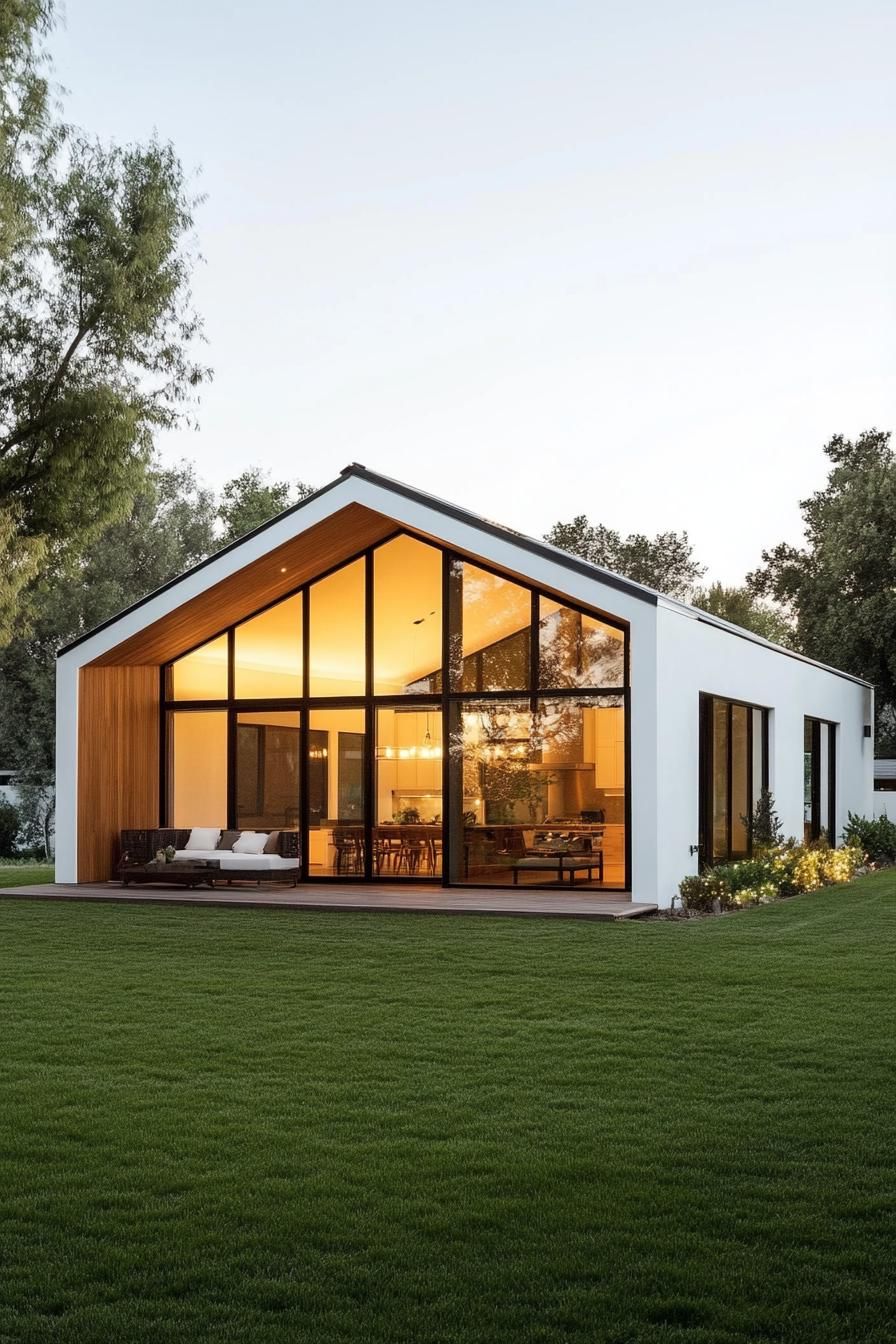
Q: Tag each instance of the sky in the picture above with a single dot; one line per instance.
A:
(629, 260)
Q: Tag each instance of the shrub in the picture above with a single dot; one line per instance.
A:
(806, 869)
(839, 865)
(781, 871)
(10, 822)
(874, 836)
(764, 825)
(701, 892)
(744, 874)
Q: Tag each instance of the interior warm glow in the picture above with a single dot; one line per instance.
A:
(268, 653)
(201, 675)
(493, 609)
(267, 766)
(197, 782)
(409, 765)
(407, 626)
(337, 632)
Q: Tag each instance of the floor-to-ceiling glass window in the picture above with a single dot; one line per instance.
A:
(408, 830)
(267, 653)
(733, 771)
(197, 768)
(407, 618)
(337, 633)
(336, 825)
(411, 715)
(267, 770)
(819, 780)
(544, 791)
(538, 742)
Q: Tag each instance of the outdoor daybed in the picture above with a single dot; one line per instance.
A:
(223, 856)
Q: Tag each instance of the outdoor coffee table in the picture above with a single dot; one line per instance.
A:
(180, 872)
(561, 863)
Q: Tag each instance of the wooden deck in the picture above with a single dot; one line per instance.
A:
(415, 899)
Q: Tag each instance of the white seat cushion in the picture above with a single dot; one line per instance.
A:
(256, 862)
(231, 862)
(250, 842)
(203, 837)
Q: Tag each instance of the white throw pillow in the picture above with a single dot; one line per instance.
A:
(251, 842)
(204, 837)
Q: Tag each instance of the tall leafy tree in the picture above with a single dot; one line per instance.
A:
(97, 328)
(169, 527)
(839, 587)
(27, 136)
(665, 562)
(742, 607)
(252, 499)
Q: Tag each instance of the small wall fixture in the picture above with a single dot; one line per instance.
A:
(867, 729)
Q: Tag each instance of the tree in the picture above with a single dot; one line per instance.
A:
(742, 607)
(9, 829)
(665, 562)
(96, 324)
(251, 499)
(169, 527)
(763, 823)
(26, 136)
(839, 587)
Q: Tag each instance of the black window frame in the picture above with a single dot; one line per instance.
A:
(818, 806)
(445, 700)
(708, 700)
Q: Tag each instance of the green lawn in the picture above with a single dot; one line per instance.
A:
(25, 875)
(224, 1125)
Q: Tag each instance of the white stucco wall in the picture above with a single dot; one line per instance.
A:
(67, 767)
(694, 656)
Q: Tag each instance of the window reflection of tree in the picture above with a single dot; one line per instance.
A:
(576, 651)
(502, 750)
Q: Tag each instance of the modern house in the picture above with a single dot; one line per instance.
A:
(420, 694)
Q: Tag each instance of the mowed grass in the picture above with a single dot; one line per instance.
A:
(224, 1125)
(25, 875)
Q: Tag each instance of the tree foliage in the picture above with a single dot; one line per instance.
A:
(252, 499)
(26, 134)
(665, 562)
(742, 607)
(10, 825)
(839, 587)
(96, 323)
(169, 527)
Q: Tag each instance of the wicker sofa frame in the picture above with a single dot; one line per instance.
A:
(140, 846)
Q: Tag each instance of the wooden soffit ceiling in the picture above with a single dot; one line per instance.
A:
(264, 580)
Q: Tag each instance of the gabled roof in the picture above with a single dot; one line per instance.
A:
(249, 543)
(438, 506)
